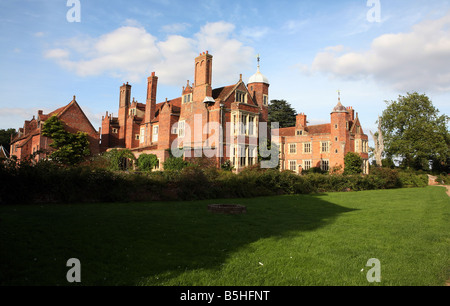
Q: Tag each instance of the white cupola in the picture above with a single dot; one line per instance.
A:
(258, 77)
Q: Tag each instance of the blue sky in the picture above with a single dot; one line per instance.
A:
(309, 50)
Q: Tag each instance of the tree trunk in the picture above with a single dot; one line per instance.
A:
(379, 145)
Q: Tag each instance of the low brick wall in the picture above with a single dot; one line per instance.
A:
(432, 180)
(229, 209)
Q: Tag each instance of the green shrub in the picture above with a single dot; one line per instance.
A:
(411, 179)
(119, 160)
(147, 162)
(443, 179)
(352, 163)
(193, 184)
(389, 178)
(175, 164)
(227, 166)
(46, 182)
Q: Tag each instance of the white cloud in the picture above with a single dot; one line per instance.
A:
(57, 54)
(175, 27)
(131, 53)
(231, 56)
(255, 33)
(417, 60)
(294, 26)
(132, 23)
(9, 116)
(176, 65)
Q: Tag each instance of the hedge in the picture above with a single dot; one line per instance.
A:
(46, 182)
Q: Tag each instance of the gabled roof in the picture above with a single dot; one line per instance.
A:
(3, 152)
(56, 112)
(74, 103)
(23, 139)
(353, 126)
(289, 131)
(311, 130)
(140, 106)
(223, 92)
(319, 129)
(176, 107)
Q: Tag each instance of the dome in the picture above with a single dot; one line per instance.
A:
(258, 77)
(339, 108)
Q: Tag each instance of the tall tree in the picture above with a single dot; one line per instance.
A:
(69, 149)
(414, 130)
(5, 137)
(378, 140)
(281, 111)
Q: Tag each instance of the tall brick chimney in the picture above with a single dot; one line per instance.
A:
(301, 120)
(203, 76)
(150, 107)
(124, 104)
(352, 112)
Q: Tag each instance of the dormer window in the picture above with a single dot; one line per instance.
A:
(187, 98)
(300, 133)
(241, 97)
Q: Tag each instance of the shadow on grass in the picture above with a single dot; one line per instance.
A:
(127, 244)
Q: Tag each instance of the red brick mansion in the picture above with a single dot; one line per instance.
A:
(29, 140)
(219, 123)
(324, 146)
(223, 124)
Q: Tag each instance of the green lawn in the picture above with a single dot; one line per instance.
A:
(297, 240)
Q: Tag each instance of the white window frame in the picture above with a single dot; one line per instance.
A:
(292, 148)
(323, 163)
(292, 164)
(309, 148)
(307, 164)
(142, 137)
(174, 130)
(265, 100)
(155, 132)
(241, 96)
(243, 153)
(327, 147)
(187, 98)
(251, 125)
(181, 128)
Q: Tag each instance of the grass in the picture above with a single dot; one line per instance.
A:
(323, 239)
